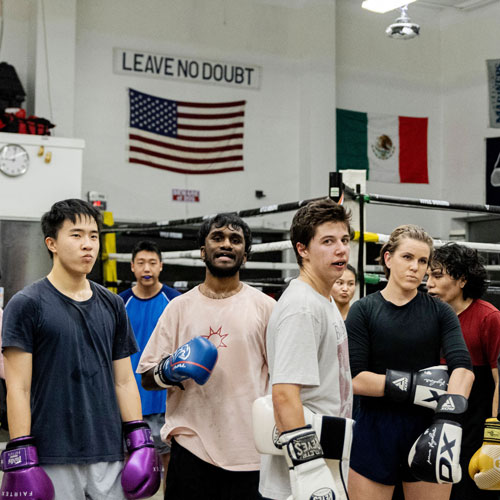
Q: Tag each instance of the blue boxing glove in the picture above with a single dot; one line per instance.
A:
(195, 360)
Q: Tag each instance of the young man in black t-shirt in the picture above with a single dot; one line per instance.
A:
(67, 344)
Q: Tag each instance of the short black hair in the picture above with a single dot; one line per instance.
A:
(70, 209)
(312, 215)
(225, 220)
(146, 246)
(353, 271)
(460, 261)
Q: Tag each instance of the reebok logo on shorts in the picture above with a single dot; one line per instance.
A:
(401, 384)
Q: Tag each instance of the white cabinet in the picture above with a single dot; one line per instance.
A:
(54, 173)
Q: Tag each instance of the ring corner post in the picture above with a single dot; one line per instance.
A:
(109, 269)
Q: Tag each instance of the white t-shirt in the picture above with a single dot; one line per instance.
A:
(214, 421)
(306, 345)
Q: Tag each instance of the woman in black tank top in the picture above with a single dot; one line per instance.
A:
(395, 332)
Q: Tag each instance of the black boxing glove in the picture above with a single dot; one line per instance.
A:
(435, 455)
(422, 388)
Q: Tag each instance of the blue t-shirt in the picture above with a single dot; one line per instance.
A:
(144, 314)
(75, 415)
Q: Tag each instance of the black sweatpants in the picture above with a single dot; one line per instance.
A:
(190, 478)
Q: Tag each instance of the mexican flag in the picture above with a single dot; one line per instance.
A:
(390, 148)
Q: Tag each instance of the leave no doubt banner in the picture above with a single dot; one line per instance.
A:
(171, 67)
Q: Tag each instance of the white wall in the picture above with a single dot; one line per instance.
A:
(467, 41)
(40, 43)
(16, 36)
(54, 63)
(442, 75)
(289, 123)
(398, 77)
(293, 45)
(315, 56)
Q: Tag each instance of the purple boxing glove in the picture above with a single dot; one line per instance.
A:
(141, 475)
(22, 476)
(195, 359)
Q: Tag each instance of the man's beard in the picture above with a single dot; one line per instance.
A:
(225, 272)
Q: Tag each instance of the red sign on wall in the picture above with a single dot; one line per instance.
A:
(186, 195)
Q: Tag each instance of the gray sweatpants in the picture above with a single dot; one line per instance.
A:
(99, 481)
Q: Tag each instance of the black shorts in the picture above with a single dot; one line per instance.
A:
(190, 478)
(382, 440)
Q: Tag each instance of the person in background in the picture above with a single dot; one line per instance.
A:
(144, 303)
(457, 276)
(343, 290)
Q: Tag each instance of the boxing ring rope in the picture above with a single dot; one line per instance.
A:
(335, 192)
(108, 248)
(277, 246)
(289, 206)
(252, 212)
(425, 203)
(481, 247)
(422, 203)
(192, 257)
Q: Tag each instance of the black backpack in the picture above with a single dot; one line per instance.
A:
(12, 93)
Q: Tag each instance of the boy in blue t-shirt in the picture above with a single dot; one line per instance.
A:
(145, 303)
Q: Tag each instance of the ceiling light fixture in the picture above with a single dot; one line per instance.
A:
(382, 6)
(403, 28)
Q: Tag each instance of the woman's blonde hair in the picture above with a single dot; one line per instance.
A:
(409, 231)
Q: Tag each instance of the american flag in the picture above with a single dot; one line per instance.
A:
(186, 137)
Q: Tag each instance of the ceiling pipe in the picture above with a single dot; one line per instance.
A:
(467, 5)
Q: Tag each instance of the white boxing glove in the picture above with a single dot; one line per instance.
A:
(310, 477)
(334, 433)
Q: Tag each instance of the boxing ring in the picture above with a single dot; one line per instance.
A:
(351, 197)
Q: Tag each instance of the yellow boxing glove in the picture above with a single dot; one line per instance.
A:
(484, 467)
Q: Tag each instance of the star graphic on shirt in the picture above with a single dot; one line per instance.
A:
(221, 337)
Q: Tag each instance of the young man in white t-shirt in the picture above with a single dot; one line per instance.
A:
(213, 455)
(308, 354)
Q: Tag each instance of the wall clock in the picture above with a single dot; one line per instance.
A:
(14, 160)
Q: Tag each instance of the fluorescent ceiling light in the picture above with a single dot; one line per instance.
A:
(382, 6)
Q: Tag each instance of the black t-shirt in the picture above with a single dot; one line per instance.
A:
(385, 336)
(75, 414)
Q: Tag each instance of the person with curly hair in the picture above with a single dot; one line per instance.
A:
(457, 276)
